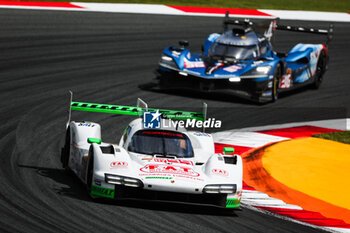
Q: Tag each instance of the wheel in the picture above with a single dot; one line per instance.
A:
(90, 170)
(276, 79)
(320, 69)
(96, 192)
(66, 150)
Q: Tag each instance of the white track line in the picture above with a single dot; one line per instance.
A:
(247, 139)
(309, 15)
(166, 10)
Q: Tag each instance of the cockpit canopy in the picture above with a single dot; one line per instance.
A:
(238, 45)
(161, 142)
(225, 51)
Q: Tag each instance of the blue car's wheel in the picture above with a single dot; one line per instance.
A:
(276, 79)
(320, 69)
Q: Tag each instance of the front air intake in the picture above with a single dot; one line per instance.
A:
(230, 160)
(107, 149)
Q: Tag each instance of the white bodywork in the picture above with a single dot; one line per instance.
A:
(156, 173)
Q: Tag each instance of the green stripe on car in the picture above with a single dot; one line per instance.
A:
(101, 192)
(233, 203)
(129, 110)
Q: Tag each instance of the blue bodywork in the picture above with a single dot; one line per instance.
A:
(252, 76)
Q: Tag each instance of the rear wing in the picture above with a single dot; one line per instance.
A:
(328, 32)
(134, 111)
(273, 24)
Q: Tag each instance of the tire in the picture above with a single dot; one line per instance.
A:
(276, 79)
(320, 69)
(65, 152)
(90, 170)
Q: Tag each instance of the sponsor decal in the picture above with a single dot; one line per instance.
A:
(102, 192)
(286, 79)
(159, 177)
(220, 172)
(169, 169)
(118, 164)
(171, 161)
(86, 124)
(193, 64)
(151, 120)
(232, 68)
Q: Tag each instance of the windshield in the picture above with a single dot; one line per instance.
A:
(234, 51)
(161, 142)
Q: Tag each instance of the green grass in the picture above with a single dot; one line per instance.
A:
(314, 5)
(343, 137)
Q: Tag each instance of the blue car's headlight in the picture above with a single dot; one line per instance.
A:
(166, 58)
(167, 61)
(258, 72)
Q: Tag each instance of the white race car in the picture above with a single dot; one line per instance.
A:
(164, 163)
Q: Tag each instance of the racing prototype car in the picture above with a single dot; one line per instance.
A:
(242, 61)
(163, 163)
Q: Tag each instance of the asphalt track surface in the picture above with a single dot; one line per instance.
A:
(104, 58)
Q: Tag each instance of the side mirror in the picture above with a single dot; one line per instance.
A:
(94, 140)
(228, 150)
(184, 43)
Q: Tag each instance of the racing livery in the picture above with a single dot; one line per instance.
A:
(242, 61)
(162, 163)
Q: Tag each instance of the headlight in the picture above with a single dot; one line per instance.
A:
(167, 61)
(123, 180)
(220, 188)
(258, 72)
(166, 58)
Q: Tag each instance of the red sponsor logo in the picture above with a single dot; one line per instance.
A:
(220, 172)
(169, 169)
(194, 64)
(232, 69)
(179, 161)
(286, 79)
(118, 164)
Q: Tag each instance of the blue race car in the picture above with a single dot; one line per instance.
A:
(242, 61)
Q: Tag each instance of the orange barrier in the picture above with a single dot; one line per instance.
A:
(256, 176)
